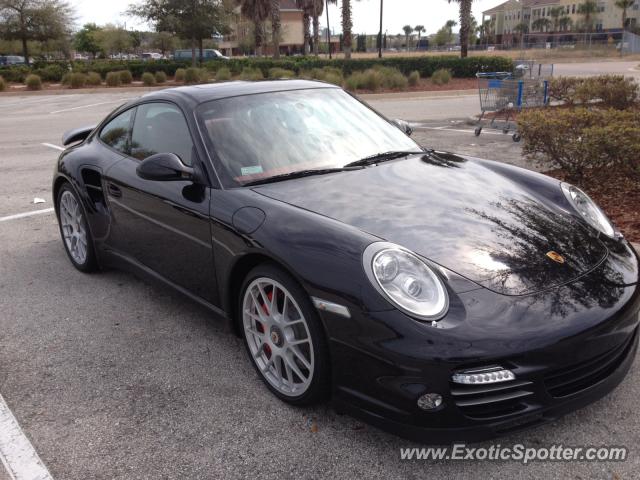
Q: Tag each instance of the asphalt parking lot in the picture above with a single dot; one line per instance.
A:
(110, 377)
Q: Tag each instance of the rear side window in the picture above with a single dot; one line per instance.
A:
(161, 128)
(116, 132)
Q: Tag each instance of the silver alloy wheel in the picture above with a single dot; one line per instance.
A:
(278, 336)
(73, 230)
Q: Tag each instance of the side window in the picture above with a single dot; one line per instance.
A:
(161, 128)
(116, 132)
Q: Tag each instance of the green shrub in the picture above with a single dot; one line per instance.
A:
(77, 80)
(160, 77)
(3, 85)
(223, 74)
(441, 77)
(125, 77)
(581, 140)
(192, 75)
(148, 79)
(51, 73)
(614, 91)
(278, 72)
(392, 78)
(414, 78)
(204, 75)
(113, 79)
(334, 78)
(251, 74)
(94, 79)
(33, 82)
(66, 79)
(180, 75)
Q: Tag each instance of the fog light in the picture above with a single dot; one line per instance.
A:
(487, 375)
(429, 401)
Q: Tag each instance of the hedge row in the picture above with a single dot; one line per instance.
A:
(459, 67)
(582, 141)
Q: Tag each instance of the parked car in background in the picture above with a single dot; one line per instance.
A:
(207, 54)
(152, 56)
(11, 60)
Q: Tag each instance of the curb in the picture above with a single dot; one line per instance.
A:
(72, 91)
(417, 95)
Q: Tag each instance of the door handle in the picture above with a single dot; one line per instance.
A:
(114, 190)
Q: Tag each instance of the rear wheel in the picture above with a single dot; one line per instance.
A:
(284, 337)
(74, 230)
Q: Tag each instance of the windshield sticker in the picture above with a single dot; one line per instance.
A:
(251, 170)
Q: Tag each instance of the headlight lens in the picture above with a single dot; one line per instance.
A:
(406, 281)
(588, 209)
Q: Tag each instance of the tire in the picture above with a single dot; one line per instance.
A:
(516, 137)
(478, 131)
(82, 257)
(268, 336)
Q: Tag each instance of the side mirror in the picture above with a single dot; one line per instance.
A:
(403, 125)
(164, 167)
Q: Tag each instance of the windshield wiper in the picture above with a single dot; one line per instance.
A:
(381, 157)
(297, 174)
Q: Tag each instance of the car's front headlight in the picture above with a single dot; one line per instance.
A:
(588, 209)
(406, 281)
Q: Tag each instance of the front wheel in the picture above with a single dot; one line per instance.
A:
(74, 230)
(284, 337)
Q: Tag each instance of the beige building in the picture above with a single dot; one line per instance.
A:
(506, 16)
(292, 32)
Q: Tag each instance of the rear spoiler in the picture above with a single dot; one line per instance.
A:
(77, 135)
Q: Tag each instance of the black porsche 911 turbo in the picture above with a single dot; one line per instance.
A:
(441, 297)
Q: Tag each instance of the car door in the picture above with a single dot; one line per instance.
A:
(164, 225)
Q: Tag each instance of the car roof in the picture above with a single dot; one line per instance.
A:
(197, 94)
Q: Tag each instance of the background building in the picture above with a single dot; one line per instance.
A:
(541, 17)
(240, 41)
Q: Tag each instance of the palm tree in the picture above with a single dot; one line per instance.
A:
(408, 30)
(521, 29)
(541, 24)
(588, 9)
(465, 25)
(257, 11)
(317, 8)
(624, 5)
(486, 30)
(275, 27)
(419, 29)
(347, 25)
(307, 8)
(555, 13)
(449, 26)
(565, 23)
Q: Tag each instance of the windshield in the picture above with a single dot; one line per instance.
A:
(255, 137)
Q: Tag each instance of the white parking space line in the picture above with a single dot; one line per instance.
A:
(16, 451)
(44, 211)
(51, 145)
(88, 106)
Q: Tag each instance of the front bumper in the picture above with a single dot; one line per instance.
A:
(563, 359)
(505, 417)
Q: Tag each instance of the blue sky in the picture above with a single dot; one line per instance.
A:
(430, 13)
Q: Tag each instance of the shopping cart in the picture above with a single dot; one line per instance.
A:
(502, 96)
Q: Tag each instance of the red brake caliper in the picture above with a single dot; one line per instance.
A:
(260, 327)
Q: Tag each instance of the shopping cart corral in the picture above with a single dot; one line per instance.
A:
(502, 96)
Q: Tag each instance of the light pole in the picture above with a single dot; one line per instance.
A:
(328, 29)
(380, 34)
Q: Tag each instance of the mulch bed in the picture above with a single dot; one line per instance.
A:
(619, 197)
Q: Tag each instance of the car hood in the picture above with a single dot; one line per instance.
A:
(469, 216)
